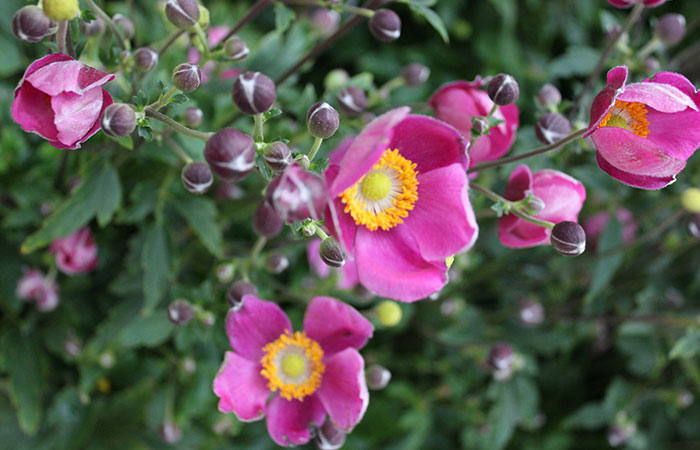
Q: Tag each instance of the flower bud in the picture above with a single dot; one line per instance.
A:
(670, 28)
(169, 432)
(187, 77)
(297, 194)
(266, 222)
(72, 347)
(193, 117)
(690, 199)
(352, 100)
(534, 205)
(415, 74)
(30, 24)
(331, 253)
(277, 262)
(183, 14)
(278, 156)
(237, 291)
(531, 313)
(503, 89)
(378, 377)
(385, 25)
(230, 154)
(35, 287)
(235, 49)
(125, 25)
(180, 312)
(206, 318)
(60, 10)
(107, 359)
(389, 313)
(254, 93)
(501, 356)
(118, 120)
(568, 238)
(549, 96)
(651, 64)
(322, 120)
(204, 17)
(229, 191)
(480, 125)
(694, 226)
(93, 28)
(197, 177)
(551, 128)
(335, 79)
(145, 59)
(76, 253)
(323, 20)
(329, 437)
(224, 272)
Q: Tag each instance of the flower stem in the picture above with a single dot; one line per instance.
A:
(319, 231)
(177, 149)
(113, 28)
(203, 39)
(61, 34)
(252, 13)
(171, 40)
(513, 208)
(152, 113)
(158, 105)
(258, 132)
(314, 148)
(257, 248)
(650, 47)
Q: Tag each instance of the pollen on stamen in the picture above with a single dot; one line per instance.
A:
(631, 114)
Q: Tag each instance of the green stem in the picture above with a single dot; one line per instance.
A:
(177, 126)
(158, 105)
(650, 47)
(171, 40)
(123, 44)
(314, 148)
(258, 132)
(257, 248)
(494, 108)
(201, 35)
(320, 233)
(513, 208)
(177, 149)
(253, 12)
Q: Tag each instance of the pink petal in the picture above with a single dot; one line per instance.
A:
(677, 134)
(662, 97)
(240, 388)
(519, 183)
(348, 274)
(522, 234)
(45, 61)
(338, 153)
(288, 421)
(343, 390)
(336, 325)
(454, 104)
(76, 115)
(67, 76)
(341, 225)
(634, 180)
(31, 109)
(604, 101)
(679, 81)
(255, 324)
(563, 195)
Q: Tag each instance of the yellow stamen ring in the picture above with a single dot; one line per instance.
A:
(383, 197)
(292, 364)
(630, 116)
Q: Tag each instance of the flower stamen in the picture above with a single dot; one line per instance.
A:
(292, 364)
(631, 116)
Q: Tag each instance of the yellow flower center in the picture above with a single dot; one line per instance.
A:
(292, 364)
(630, 116)
(383, 197)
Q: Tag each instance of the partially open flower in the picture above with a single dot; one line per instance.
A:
(76, 253)
(35, 287)
(297, 194)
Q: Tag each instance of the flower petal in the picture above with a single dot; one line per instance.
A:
(336, 325)
(45, 61)
(67, 76)
(638, 181)
(75, 115)
(255, 324)
(563, 196)
(315, 262)
(240, 388)
(31, 109)
(604, 101)
(343, 390)
(662, 97)
(288, 421)
(677, 134)
(341, 224)
(679, 81)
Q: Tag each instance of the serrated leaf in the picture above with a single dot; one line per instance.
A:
(201, 215)
(433, 19)
(271, 113)
(179, 99)
(155, 264)
(283, 17)
(24, 369)
(146, 132)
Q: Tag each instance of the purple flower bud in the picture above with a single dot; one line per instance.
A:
(118, 120)
(237, 291)
(503, 89)
(230, 154)
(670, 28)
(30, 24)
(297, 194)
(125, 25)
(93, 28)
(415, 74)
(549, 96)
(170, 433)
(352, 100)
(183, 14)
(651, 65)
(331, 253)
(278, 156)
(187, 77)
(531, 313)
(501, 357)
(385, 25)
(145, 59)
(235, 49)
(551, 128)
(480, 125)
(277, 262)
(324, 20)
(229, 191)
(254, 93)
(612, 31)
(193, 116)
(568, 238)
(266, 222)
(329, 436)
(322, 120)
(180, 312)
(378, 377)
(197, 177)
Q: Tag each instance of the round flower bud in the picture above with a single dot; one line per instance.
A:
(352, 100)
(170, 433)
(651, 65)
(480, 125)
(378, 377)
(670, 28)
(235, 49)
(187, 77)
(385, 25)
(125, 25)
(224, 272)
(93, 28)
(266, 222)
(503, 89)
(197, 177)
(336, 79)
(145, 59)
(322, 120)
(501, 356)
(389, 313)
(183, 14)
(60, 10)
(188, 365)
(72, 347)
(549, 96)
(551, 128)
(531, 313)
(690, 199)
(254, 93)
(278, 156)
(30, 24)
(180, 312)
(118, 120)
(534, 205)
(237, 291)
(329, 437)
(694, 226)
(277, 262)
(568, 238)
(206, 318)
(204, 17)
(297, 194)
(106, 359)
(415, 74)
(193, 116)
(331, 253)
(230, 154)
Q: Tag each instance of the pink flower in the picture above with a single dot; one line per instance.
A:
(399, 203)
(458, 102)
(34, 286)
(61, 100)
(310, 374)
(595, 224)
(76, 253)
(348, 273)
(214, 38)
(645, 131)
(563, 198)
(628, 3)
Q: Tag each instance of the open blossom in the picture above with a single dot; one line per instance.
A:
(76, 253)
(37, 288)
(628, 3)
(309, 373)
(399, 203)
(645, 132)
(214, 38)
(347, 274)
(459, 102)
(563, 198)
(61, 100)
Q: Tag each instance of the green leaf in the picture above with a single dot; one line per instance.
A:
(577, 61)
(148, 331)
(87, 15)
(433, 19)
(319, 165)
(201, 214)
(155, 264)
(283, 17)
(271, 114)
(22, 359)
(110, 195)
(124, 141)
(607, 263)
(687, 346)
(179, 99)
(588, 417)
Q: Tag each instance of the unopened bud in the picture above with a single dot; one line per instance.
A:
(230, 154)
(72, 348)
(266, 222)
(352, 100)
(207, 318)
(169, 432)
(690, 199)
(377, 377)
(549, 96)
(385, 25)
(503, 89)
(125, 25)
(297, 194)
(501, 356)
(183, 14)
(322, 120)
(415, 74)
(93, 28)
(568, 238)
(188, 365)
(335, 79)
(145, 59)
(694, 226)
(480, 125)
(331, 253)
(235, 49)
(278, 156)
(60, 10)
(118, 120)
(204, 17)
(180, 312)
(106, 359)
(197, 177)
(224, 272)
(670, 28)
(254, 93)
(531, 313)
(193, 117)
(389, 313)
(329, 437)
(277, 262)
(534, 205)
(324, 20)
(30, 24)
(237, 291)
(187, 77)
(651, 65)
(551, 128)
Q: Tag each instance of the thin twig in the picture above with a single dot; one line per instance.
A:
(113, 28)
(514, 208)
(150, 112)
(171, 40)
(252, 13)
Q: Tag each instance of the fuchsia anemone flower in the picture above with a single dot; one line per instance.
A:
(645, 132)
(61, 100)
(348, 273)
(310, 373)
(399, 203)
(563, 198)
(628, 3)
(458, 102)
(76, 253)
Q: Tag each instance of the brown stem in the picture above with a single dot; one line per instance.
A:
(252, 13)
(171, 40)
(113, 28)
